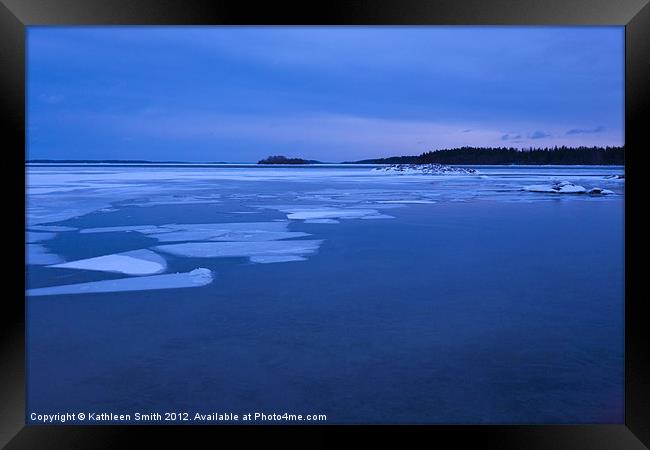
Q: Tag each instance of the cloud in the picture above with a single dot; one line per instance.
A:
(598, 129)
(366, 134)
(378, 91)
(539, 135)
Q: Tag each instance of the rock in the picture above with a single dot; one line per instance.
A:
(427, 169)
(559, 187)
(599, 191)
(566, 187)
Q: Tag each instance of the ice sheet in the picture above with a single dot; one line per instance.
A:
(136, 262)
(57, 193)
(195, 278)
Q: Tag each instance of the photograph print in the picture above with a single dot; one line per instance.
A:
(324, 225)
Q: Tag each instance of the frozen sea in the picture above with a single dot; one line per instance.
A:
(367, 296)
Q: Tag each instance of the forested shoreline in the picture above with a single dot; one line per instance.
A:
(503, 155)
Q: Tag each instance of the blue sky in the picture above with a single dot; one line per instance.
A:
(238, 94)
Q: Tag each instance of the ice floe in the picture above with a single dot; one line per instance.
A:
(313, 212)
(259, 235)
(426, 169)
(183, 199)
(424, 202)
(244, 231)
(261, 241)
(226, 231)
(377, 198)
(276, 259)
(319, 195)
(241, 249)
(297, 214)
(377, 216)
(321, 221)
(136, 262)
(139, 228)
(195, 278)
(58, 193)
(38, 255)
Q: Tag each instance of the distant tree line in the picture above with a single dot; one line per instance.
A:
(502, 155)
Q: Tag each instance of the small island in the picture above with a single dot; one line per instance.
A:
(279, 159)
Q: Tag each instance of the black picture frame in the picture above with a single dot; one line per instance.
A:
(16, 15)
